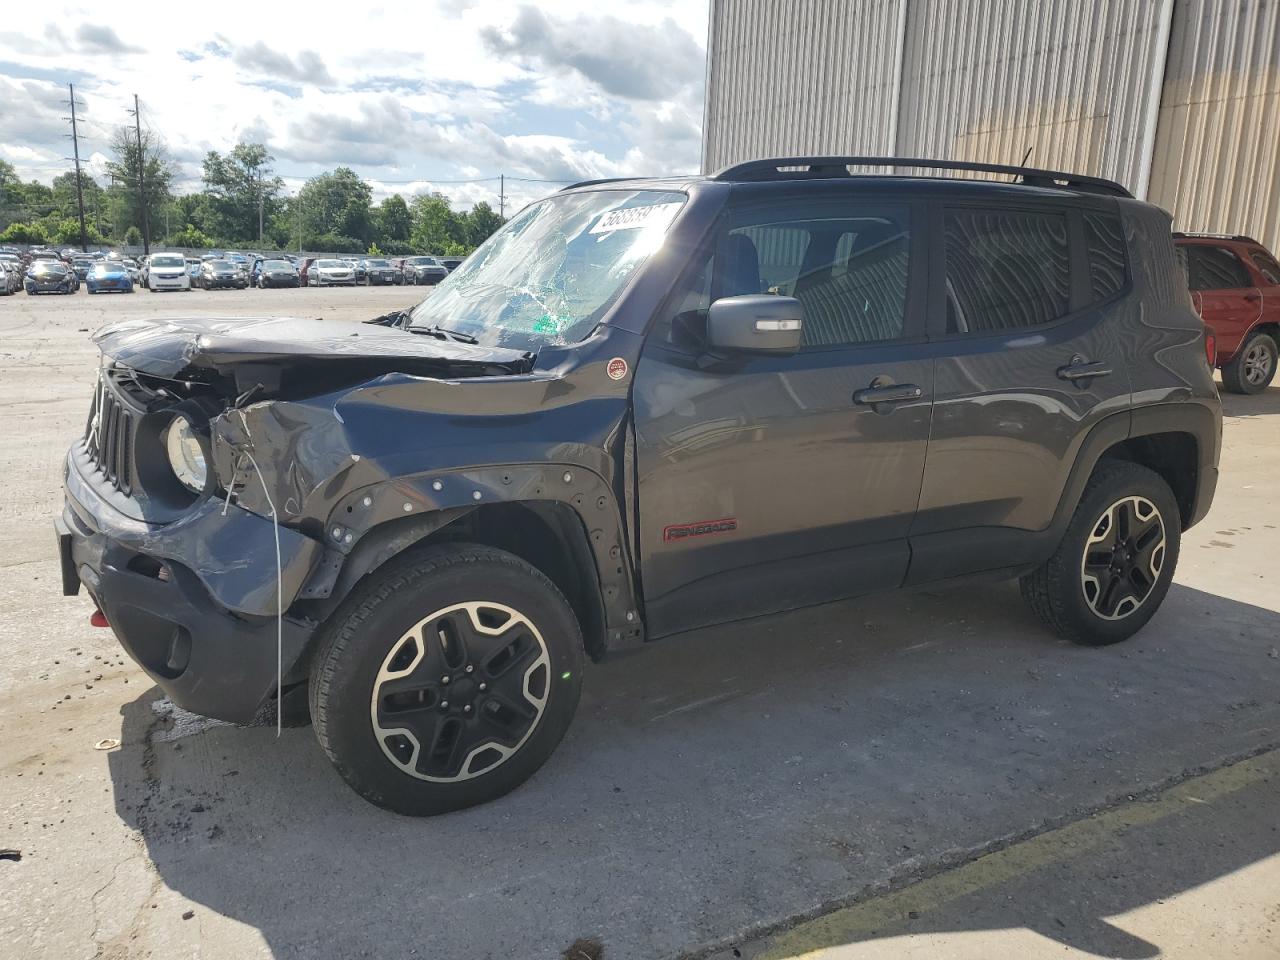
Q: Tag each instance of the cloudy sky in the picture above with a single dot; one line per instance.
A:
(410, 96)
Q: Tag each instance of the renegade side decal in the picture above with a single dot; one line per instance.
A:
(700, 528)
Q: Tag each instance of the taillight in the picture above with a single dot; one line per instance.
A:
(1210, 346)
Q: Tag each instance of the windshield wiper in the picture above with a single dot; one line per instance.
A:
(438, 331)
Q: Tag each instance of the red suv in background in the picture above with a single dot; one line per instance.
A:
(1235, 285)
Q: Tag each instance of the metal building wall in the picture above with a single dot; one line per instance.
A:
(800, 76)
(1217, 157)
(1177, 99)
(1071, 81)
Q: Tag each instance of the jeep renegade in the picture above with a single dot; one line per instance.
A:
(642, 407)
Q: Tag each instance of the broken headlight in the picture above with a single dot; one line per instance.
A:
(186, 454)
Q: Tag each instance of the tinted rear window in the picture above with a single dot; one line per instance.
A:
(1215, 268)
(1005, 270)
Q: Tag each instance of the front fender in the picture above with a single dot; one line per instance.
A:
(373, 523)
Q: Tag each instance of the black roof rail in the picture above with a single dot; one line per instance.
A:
(776, 168)
(592, 183)
(1194, 235)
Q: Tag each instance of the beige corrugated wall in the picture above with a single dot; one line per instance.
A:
(1217, 157)
(1074, 80)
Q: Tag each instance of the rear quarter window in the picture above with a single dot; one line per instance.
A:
(1108, 263)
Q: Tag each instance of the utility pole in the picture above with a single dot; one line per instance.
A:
(75, 144)
(502, 195)
(259, 207)
(142, 183)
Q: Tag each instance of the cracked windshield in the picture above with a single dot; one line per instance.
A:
(549, 275)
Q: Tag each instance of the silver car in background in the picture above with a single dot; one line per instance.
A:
(331, 273)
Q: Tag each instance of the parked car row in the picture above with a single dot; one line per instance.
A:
(216, 270)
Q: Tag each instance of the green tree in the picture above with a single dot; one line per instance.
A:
(189, 236)
(12, 198)
(479, 224)
(435, 226)
(24, 233)
(336, 205)
(125, 198)
(66, 230)
(394, 222)
(240, 188)
(133, 236)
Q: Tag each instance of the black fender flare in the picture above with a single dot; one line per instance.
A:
(371, 524)
(1198, 420)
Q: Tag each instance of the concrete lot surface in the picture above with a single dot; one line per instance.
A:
(929, 774)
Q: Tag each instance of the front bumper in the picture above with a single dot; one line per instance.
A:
(227, 283)
(169, 283)
(193, 601)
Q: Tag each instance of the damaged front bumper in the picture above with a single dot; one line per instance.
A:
(192, 601)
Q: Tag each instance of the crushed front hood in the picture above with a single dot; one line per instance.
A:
(166, 348)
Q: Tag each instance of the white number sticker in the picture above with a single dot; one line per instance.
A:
(656, 215)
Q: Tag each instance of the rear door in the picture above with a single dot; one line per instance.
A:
(770, 482)
(1023, 309)
(1225, 293)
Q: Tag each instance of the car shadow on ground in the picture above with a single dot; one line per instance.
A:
(723, 781)
(1252, 405)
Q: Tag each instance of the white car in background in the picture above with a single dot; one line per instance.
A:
(167, 271)
(331, 273)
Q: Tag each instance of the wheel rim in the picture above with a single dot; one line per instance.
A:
(1123, 558)
(1257, 364)
(461, 691)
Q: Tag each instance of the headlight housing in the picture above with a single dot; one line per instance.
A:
(186, 454)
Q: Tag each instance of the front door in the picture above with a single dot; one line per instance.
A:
(770, 482)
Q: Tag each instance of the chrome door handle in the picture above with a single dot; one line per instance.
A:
(1081, 369)
(890, 393)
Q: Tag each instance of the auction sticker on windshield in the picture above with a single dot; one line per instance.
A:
(658, 215)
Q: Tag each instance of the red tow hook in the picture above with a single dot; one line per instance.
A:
(98, 619)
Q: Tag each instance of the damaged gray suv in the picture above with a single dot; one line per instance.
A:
(642, 407)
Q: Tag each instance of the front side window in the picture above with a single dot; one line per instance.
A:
(550, 273)
(847, 266)
(846, 261)
(1005, 270)
(1215, 268)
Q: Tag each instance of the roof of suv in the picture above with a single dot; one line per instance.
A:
(799, 169)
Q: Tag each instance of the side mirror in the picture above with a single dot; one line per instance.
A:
(755, 323)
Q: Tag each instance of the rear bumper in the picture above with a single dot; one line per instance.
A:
(193, 601)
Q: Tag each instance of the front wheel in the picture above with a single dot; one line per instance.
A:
(1253, 367)
(447, 680)
(1114, 565)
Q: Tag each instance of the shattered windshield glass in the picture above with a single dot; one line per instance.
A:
(549, 275)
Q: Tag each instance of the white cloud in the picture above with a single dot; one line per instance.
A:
(574, 89)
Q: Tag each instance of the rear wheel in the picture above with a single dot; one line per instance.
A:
(1114, 565)
(447, 680)
(1253, 367)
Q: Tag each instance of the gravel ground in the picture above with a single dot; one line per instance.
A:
(714, 785)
